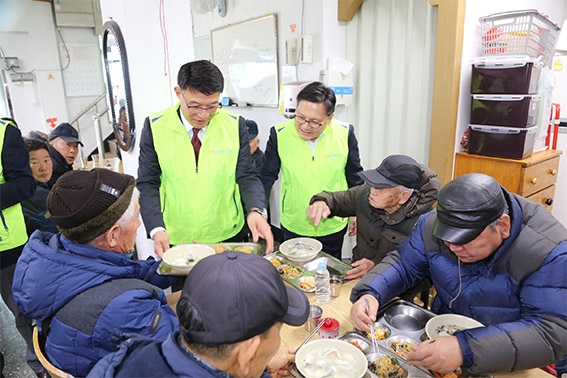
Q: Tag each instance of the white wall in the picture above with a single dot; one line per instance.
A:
(27, 32)
(312, 17)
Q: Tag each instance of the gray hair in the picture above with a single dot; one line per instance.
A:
(124, 219)
(401, 188)
(492, 226)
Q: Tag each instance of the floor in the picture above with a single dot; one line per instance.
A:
(12, 346)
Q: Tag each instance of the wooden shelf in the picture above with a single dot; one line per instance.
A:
(533, 177)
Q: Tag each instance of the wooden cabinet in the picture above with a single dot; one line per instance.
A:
(533, 177)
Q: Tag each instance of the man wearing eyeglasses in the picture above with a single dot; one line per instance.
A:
(195, 167)
(315, 153)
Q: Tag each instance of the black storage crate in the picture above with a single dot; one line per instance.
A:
(505, 142)
(505, 75)
(505, 110)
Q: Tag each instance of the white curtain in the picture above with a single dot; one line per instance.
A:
(394, 43)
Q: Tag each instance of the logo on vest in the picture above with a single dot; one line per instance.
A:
(333, 156)
(223, 151)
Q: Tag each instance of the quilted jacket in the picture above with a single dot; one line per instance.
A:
(519, 293)
(52, 272)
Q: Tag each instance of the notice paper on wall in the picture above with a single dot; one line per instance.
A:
(83, 76)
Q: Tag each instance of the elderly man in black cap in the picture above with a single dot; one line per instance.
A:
(231, 310)
(81, 283)
(386, 207)
(63, 143)
(493, 256)
(257, 153)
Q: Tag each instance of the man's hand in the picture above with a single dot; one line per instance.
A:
(161, 243)
(260, 228)
(362, 318)
(443, 354)
(278, 365)
(352, 226)
(318, 210)
(359, 269)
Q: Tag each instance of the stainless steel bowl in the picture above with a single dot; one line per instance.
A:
(406, 318)
(379, 326)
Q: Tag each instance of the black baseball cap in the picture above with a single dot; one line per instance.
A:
(466, 205)
(239, 296)
(66, 132)
(393, 171)
(252, 127)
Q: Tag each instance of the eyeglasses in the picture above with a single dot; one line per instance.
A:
(195, 109)
(313, 124)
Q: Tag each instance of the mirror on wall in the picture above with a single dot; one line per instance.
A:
(118, 85)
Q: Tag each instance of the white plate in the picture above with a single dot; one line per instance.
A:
(459, 321)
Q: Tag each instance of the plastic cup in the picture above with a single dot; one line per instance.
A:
(336, 283)
(315, 313)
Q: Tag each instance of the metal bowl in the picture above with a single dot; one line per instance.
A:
(406, 318)
(300, 250)
(357, 340)
(380, 330)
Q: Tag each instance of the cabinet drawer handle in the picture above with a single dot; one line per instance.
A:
(553, 172)
(533, 181)
(548, 201)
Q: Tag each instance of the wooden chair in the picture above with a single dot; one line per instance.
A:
(38, 346)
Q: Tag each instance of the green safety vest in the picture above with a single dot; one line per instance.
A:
(305, 174)
(198, 203)
(12, 224)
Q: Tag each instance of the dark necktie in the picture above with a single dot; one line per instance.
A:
(196, 143)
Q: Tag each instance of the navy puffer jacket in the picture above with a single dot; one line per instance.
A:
(519, 293)
(53, 271)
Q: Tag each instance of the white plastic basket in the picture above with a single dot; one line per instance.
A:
(519, 32)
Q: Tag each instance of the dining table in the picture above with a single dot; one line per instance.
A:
(339, 309)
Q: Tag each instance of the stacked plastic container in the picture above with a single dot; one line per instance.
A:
(504, 84)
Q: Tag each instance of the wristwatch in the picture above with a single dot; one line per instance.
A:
(262, 212)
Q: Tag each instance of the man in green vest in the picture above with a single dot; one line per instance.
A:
(196, 170)
(315, 152)
(16, 185)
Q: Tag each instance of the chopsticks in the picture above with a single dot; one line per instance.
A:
(371, 325)
(321, 322)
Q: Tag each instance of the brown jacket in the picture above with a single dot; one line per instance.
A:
(377, 232)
